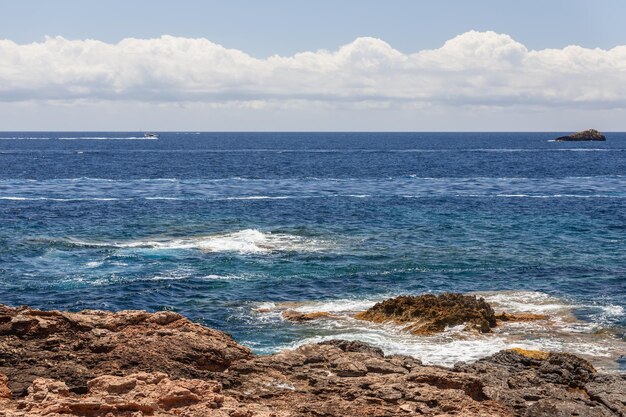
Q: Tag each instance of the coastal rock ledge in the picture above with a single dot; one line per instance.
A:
(586, 135)
(134, 363)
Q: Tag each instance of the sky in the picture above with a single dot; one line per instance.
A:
(237, 65)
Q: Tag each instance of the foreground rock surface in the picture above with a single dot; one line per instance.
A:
(427, 314)
(163, 365)
(77, 347)
(586, 135)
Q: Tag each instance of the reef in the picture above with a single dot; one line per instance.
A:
(586, 135)
(134, 363)
(428, 313)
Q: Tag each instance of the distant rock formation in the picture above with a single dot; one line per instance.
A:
(428, 313)
(133, 363)
(586, 135)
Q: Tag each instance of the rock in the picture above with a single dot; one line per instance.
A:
(184, 369)
(586, 135)
(532, 354)
(520, 317)
(355, 346)
(535, 383)
(296, 316)
(5, 392)
(132, 395)
(76, 347)
(428, 314)
(342, 378)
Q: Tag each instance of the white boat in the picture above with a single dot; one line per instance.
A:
(150, 135)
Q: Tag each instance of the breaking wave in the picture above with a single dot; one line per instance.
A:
(248, 241)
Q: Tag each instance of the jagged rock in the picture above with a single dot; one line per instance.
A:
(427, 314)
(535, 383)
(586, 135)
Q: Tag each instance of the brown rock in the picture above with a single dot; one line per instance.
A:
(76, 347)
(532, 354)
(520, 317)
(296, 316)
(586, 135)
(5, 392)
(132, 395)
(535, 383)
(427, 314)
(335, 378)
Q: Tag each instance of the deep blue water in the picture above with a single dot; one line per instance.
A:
(212, 224)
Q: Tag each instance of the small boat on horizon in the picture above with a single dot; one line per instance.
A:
(151, 135)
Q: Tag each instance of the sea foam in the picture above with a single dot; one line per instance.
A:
(560, 332)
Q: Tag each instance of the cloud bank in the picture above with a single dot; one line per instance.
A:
(472, 69)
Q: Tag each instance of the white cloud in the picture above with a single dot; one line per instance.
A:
(473, 69)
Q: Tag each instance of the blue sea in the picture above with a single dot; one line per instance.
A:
(232, 229)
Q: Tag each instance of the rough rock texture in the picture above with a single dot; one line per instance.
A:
(133, 395)
(427, 314)
(589, 135)
(549, 384)
(205, 373)
(77, 347)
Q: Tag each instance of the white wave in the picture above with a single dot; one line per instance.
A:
(330, 306)
(538, 302)
(244, 241)
(24, 138)
(561, 332)
(61, 199)
(541, 195)
(612, 310)
(258, 197)
(106, 138)
(93, 264)
(525, 301)
(444, 351)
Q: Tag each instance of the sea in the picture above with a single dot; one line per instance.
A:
(233, 229)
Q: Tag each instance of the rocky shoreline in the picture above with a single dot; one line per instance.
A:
(135, 363)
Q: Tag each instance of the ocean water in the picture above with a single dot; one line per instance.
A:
(231, 229)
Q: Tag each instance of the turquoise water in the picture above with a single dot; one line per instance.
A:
(226, 228)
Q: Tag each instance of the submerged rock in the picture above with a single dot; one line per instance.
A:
(428, 313)
(586, 135)
(135, 363)
(517, 317)
(296, 316)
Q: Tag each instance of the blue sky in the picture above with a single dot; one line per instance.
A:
(378, 70)
(284, 27)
